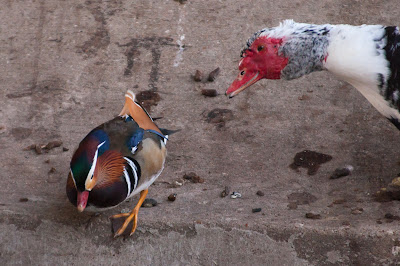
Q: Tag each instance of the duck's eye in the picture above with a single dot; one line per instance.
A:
(242, 73)
(260, 47)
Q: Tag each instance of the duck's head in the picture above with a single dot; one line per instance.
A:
(85, 165)
(260, 59)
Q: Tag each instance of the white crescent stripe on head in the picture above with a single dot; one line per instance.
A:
(91, 171)
(73, 179)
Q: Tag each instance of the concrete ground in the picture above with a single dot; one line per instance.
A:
(65, 66)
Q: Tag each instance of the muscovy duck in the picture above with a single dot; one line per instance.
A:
(366, 56)
(117, 160)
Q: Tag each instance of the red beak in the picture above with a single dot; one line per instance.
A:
(242, 82)
(82, 200)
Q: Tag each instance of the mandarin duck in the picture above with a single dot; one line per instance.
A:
(366, 56)
(117, 160)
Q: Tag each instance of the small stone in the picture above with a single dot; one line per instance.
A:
(193, 177)
(38, 149)
(260, 193)
(148, 203)
(304, 97)
(346, 223)
(198, 76)
(213, 74)
(225, 192)
(391, 192)
(65, 149)
(388, 216)
(341, 172)
(209, 92)
(395, 182)
(339, 201)
(256, 210)
(357, 211)
(23, 199)
(235, 195)
(314, 216)
(30, 147)
(52, 170)
(181, 1)
(379, 221)
(53, 144)
(176, 183)
(172, 197)
(382, 195)
(47, 161)
(391, 216)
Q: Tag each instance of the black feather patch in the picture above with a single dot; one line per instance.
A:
(108, 196)
(392, 50)
(169, 131)
(395, 122)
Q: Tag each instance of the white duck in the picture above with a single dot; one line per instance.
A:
(367, 57)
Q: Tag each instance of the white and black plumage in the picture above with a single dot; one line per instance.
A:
(366, 56)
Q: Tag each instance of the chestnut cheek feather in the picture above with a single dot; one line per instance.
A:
(109, 168)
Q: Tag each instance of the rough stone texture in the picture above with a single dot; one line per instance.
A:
(65, 66)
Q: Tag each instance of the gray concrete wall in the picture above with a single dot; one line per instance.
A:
(65, 66)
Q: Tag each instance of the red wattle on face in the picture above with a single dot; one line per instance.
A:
(260, 61)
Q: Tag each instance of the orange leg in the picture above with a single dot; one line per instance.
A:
(132, 215)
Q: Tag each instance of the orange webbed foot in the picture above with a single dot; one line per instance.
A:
(133, 215)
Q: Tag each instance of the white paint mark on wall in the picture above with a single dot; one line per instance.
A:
(179, 54)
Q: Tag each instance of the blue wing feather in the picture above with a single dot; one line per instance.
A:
(135, 139)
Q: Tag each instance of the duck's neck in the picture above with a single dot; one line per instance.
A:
(306, 49)
(353, 53)
(356, 54)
